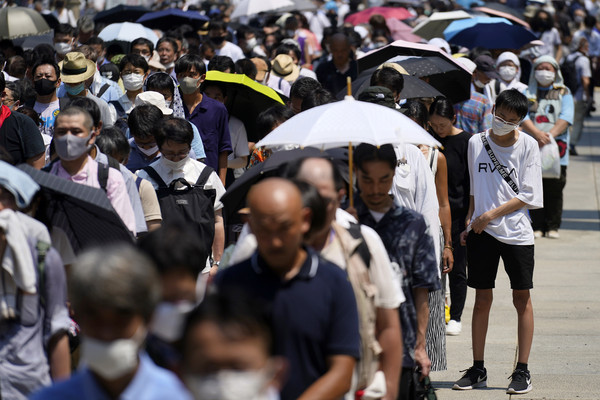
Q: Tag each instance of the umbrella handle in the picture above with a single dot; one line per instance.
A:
(350, 173)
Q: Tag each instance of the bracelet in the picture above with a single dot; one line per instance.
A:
(217, 263)
(449, 247)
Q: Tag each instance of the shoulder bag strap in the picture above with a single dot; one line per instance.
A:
(497, 165)
(204, 175)
(155, 176)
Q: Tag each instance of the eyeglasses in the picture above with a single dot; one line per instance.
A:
(506, 122)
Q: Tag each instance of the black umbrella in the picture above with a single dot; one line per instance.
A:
(172, 18)
(413, 86)
(83, 212)
(235, 197)
(120, 13)
(454, 82)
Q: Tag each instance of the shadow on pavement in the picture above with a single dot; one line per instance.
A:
(581, 220)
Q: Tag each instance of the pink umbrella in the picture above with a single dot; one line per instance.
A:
(362, 17)
(402, 31)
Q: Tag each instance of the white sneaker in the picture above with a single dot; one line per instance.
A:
(538, 234)
(553, 235)
(453, 328)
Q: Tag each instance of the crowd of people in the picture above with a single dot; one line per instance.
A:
(301, 292)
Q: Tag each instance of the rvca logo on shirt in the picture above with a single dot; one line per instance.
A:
(491, 168)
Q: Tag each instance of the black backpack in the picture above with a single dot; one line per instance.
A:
(193, 204)
(569, 73)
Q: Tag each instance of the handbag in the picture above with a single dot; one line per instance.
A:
(550, 159)
(423, 388)
(497, 165)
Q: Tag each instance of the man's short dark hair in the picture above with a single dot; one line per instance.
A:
(303, 87)
(17, 91)
(177, 130)
(170, 40)
(112, 142)
(266, 120)
(176, 246)
(44, 51)
(134, 59)
(365, 153)
(143, 121)
(45, 61)
(96, 40)
(217, 25)
(221, 63)
(64, 29)
(246, 67)
(143, 41)
(89, 106)
(316, 98)
(389, 78)
(159, 82)
(189, 61)
(73, 110)
(286, 47)
(513, 100)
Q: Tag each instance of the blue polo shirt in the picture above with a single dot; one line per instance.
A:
(212, 120)
(313, 315)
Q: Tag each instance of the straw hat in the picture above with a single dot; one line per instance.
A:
(284, 67)
(76, 68)
(155, 62)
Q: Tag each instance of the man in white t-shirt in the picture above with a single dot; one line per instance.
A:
(581, 96)
(174, 139)
(46, 79)
(217, 33)
(506, 181)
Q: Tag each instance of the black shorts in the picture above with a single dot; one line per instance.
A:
(483, 256)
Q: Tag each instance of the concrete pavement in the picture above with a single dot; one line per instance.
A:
(565, 358)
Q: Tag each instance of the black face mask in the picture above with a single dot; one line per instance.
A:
(44, 86)
(217, 40)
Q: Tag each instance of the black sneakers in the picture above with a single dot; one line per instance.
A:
(520, 382)
(473, 378)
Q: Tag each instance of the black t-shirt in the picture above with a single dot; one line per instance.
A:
(21, 137)
(455, 149)
(332, 79)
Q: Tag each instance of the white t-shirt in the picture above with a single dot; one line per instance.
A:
(47, 113)
(230, 50)
(239, 142)
(522, 162)
(190, 172)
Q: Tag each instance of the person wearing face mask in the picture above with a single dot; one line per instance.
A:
(14, 95)
(593, 37)
(178, 253)
(474, 115)
(542, 26)
(502, 192)
(46, 79)
(144, 150)
(174, 137)
(508, 67)
(143, 47)
(73, 138)
(551, 112)
(113, 291)
(134, 71)
(227, 351)
(217, 34)
(63, 40)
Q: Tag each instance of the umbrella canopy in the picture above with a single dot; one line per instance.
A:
(459, 26)
(413, 86)
(127, 32)
(16, 22)
(434, 26)
(467, 4)
(83, 212)
(252, 7)
(171, 17)
(234, 198)
(362, 17)
(347, 121)
(502, 14)
(120, 13)
(300, 5)
(494, 36)
(401, 31)
(246, 98)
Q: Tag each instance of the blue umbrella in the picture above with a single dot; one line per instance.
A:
(172, 18)
(462, 24)
(494, 36)
(466, 4)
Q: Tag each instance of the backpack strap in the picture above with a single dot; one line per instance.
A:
(204, 175)
(155, 176)
(113, 163)
(138, 182)
(103, 175)
(102, 90)
(362, 249)
(42, 249)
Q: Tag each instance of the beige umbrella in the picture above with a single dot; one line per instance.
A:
(17, 22)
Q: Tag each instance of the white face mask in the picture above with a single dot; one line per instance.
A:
(147, 58)
(501, 127)
(167, 322)
(251, 43)
(478, 84)
(229, 385)
(174, 165)
(149, 152)
(63, 48)
(114, 359)
(544, 78)
(133, 81)
(507, 72)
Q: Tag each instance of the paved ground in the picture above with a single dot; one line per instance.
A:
(565, 359)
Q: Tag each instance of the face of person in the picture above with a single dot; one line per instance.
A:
(215, 93)
(507, 115)
(63, 38)
(216, 33)
(73, 124)
(174, 151)
(109, 325)
(294, 57)
(441, 126)
(141, 49)
(178, 285)
(375, 180)
(130, 69)
(146, 143)
(8, 99)
(279, 230)
(481, 76)
(340, 51)
(166, 53)
(98, 50)
(507, 63)
(191, 73)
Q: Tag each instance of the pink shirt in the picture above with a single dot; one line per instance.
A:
(115, 188)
